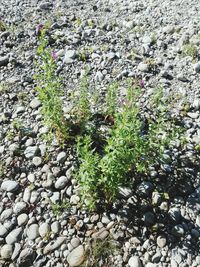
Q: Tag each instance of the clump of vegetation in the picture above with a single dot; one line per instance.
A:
(128, 149)
(2, 26)
(190, 50)
(99, 252)
(49, 88)
(58, 208)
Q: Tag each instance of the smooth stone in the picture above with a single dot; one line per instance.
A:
(16, 251)
(22, 219)
(35, 103)
(37, 161)
(6, 214)
(13, 236)
(74, 200)
(61, 182)
(4, 61)
(125, 192)
(76, 256)
(33, 231)
(145, 189)
(69, 56)
(44, 229)
(178, 230)
(161, 241)
(149, 218)
(55, 227)
(9, 186)
(143, 67)
(3, 230)
(19, 207)
(31, 151)
(134, 261)
(197, 67)
(52, 246)
(75, 242)
(6, 252)
(175, 214)
(61, 157)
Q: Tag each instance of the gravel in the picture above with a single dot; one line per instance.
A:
(154, 223)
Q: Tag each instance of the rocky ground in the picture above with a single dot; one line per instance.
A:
(42, 222)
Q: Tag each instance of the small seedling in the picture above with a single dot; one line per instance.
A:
(58, 208)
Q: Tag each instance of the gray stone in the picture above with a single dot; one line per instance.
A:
(4, 61)
(19, 207)
(3, 230)
(14, 148)
(61, 157)
(134, 261)
(6, 214)
(161, 241)
(149, 218)
(20, 109)
(33, 231)
(156, 257)
(54, 245)
(35, 103)
(61, 182)
(145, 189)
(16, 251)
(143, 67)
(69, 56)
(76, 256)
(178, 230)
(37, 161)
(6, 252)
(9, 186)
(74, 200)
(75, 242)
(31, 151)
(44, 229)
(175, 214)
(55, 227)
(22, 219)
(197, 67)
(125, 192)
(13, 236)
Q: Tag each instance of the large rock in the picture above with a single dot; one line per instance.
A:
(76, 256)
(9, 186)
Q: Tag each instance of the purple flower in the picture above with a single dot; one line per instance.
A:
(54, 55)
(39, 29)
(141, 83)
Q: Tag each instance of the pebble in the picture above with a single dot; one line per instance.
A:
(13, 236)
(44, 229)
(61, 157)
(55, 227)
(22, 219)
(134, 261)
(3, 230)
(197, 67)
(33, 231)
(6, 252)
(178, 230)
(54, 245)
(69, 56)
(35, 103)
(161, 241)
(9, 186)
(31, 151)
(4, 61)
(76, 256)
(37, 161)
(61, 182)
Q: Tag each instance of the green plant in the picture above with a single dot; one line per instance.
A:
(2, 26)
(128, 149)
(58, 208)
(83, 111)
(49, 89)
(99, 250)
(111, 98)
(2, 168)
(190, 50)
